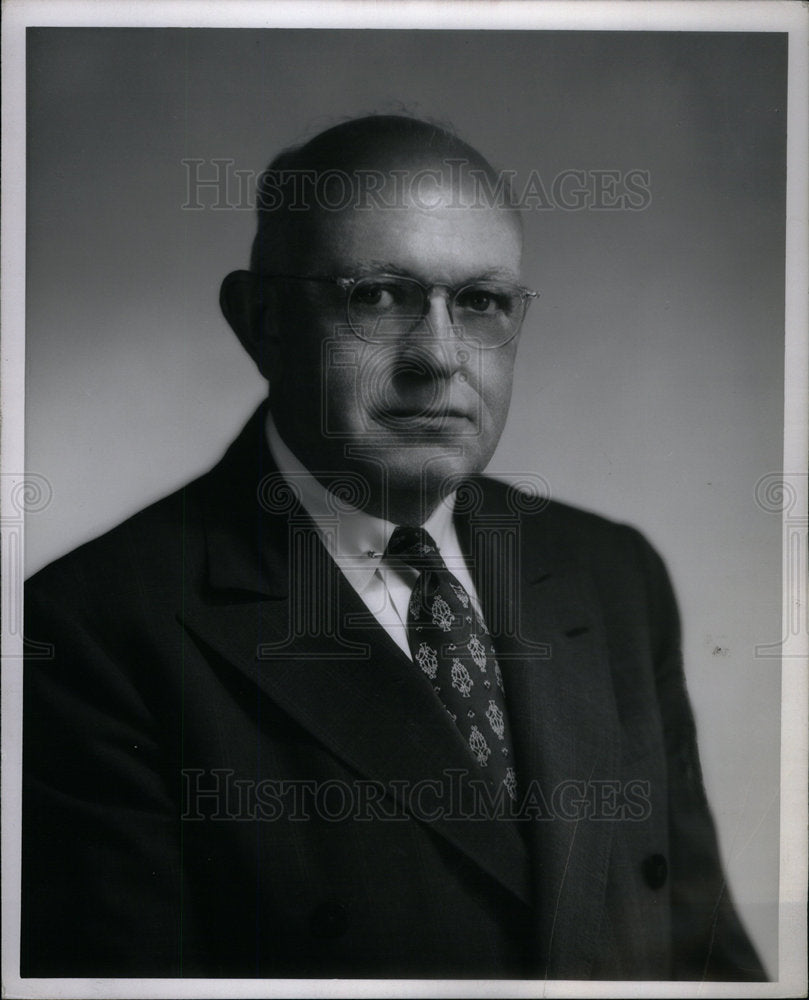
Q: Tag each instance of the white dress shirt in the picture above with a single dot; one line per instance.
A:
(360, 541)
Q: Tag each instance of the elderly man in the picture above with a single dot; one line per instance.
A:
(342, 706)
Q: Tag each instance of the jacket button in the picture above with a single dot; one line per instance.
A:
(328, 920)
(655, 871)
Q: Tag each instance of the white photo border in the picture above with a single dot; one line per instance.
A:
(623, 15)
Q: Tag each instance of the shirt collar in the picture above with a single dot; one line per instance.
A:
(357, 547)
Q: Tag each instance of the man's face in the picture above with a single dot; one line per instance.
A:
(422, 407)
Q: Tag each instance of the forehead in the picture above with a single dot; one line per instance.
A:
(446, 242)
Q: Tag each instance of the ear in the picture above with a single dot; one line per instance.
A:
(248, 303)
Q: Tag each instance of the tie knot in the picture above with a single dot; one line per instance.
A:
(415, 547)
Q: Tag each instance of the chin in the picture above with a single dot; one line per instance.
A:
(413, 473)
(433, 470)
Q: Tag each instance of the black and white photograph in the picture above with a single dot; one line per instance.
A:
(404, 499)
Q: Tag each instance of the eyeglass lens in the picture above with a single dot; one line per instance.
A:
(381, 308)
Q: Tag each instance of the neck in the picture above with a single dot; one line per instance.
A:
(402, 507)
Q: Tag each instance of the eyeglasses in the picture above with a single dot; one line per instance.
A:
(381, 308)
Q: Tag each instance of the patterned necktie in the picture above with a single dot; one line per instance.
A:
(451, 644)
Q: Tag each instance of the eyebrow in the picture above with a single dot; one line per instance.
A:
(366, 267)
(370, 265)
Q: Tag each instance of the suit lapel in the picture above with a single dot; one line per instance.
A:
(366, 703)
(277, 608)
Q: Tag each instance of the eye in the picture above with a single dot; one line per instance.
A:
(377, 294)
(481, 300)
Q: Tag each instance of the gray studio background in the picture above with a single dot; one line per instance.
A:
(649, 384)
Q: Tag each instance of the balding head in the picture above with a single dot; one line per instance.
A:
(390, 162)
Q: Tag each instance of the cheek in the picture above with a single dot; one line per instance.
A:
(497, 377)
(340, 393)
(301, 348)
(360, 379)
(339, 387)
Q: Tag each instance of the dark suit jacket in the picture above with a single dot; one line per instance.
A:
(187, 655)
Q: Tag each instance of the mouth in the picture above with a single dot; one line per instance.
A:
(432, 422)
(432, 415)
(433, 408)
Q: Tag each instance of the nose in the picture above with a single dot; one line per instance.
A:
(435, 337)
(438, 313)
